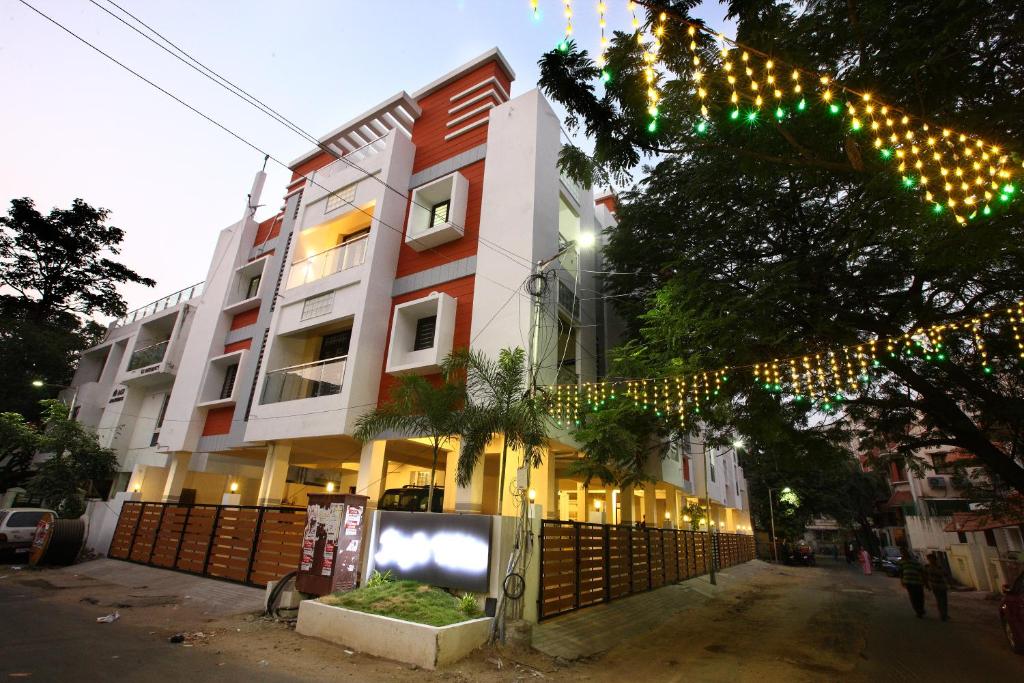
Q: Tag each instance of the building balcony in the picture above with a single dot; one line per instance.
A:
(166, 302)
(309, 380)
(347, 255)
(149, 355)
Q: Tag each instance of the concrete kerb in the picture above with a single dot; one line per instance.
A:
(425, 646)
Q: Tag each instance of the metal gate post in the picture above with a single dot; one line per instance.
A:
(576, 542)
(135, 531)
(664, 568)
(209, 545)
(256, 542)
(181, 538)
(650, 576)
(607, 563)
(156, 536)
(629, 549)
(540, 592)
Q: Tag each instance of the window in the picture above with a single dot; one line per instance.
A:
(424, 338)
(345, 195)
(317, 305)
(353, 236)
(228, 387)
(24, 519)
(254, 287)
(439, 213)
(686, 469)
(990, 538)
(961, 537)
(159, 420)
(419, 478)
(712, 470)
(335, 345)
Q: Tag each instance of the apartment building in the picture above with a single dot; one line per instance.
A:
(408, 232)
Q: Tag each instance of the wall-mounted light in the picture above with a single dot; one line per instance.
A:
(330, 487)
(597, 505)
(667, 515)
(686, 518)
(533, 495)
(137, 488)
(586, 240)
(233, 487)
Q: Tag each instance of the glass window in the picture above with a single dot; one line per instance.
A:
(254, 287)
(334, 345)
(228, 387)
(439, 213)
(425, 333)
(24, 519)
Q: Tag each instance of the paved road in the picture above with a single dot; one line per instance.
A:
(42, 640)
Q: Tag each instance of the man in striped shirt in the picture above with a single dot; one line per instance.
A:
(935, 576)
(912, 578)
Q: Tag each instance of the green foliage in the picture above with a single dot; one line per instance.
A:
(75, 465)
(406, 600)
(55, 271)
(380, 578)
(19, 441)
(418, 408)
(783, 237)
(499, 404)
(620, 443)
(468, 605)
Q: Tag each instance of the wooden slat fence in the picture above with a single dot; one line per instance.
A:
(244, 544)
(587, 564)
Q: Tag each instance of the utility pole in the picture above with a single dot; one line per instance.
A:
(707, 498)
(771, 516)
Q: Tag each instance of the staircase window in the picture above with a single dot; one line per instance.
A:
(439, 213)
(228, 387)
(425, 333)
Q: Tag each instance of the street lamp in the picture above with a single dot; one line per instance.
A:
(39, 384)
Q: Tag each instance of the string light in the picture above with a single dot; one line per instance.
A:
(953, 172)
(825, 379)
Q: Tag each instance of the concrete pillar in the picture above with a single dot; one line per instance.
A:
(651, 506)
(372, 479)
(470, 498)
(626, 505)
(675, 504)
(451, 469)
(275, 472)
(177, 470)
(581, 503)
(609, 504)
(513, 460)
(563, 506)
(135, 481)
(545, 483)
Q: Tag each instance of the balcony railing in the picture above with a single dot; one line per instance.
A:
(160, 304)
(342, 257)
(149, 355)
(309, 380)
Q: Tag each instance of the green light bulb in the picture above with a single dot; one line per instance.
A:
(834, 108)
(802, 104)
(908, 181)
(988, 370)
(886, 153)
(652, 126)
(702, 127)
(855, 125)
(734, 114)
(780, 112)
(1004, 197)
(937, 208)
(752, 116)
(605, 76)
(986, 210)
(1008, 188)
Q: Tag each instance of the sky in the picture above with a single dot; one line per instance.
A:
(73, 124)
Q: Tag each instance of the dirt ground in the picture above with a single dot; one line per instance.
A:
(782, 624)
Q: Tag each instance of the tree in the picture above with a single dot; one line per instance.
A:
(77, 466)
(618, 444)
(18, 444)
(500, 403)
(59, 271)
(782, 236)
(418, 408)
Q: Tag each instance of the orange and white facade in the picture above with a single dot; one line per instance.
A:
(410, 231)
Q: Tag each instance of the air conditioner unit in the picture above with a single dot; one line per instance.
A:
(937, 482)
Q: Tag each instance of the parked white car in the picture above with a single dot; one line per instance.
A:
(18, 526)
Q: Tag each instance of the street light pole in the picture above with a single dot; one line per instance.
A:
(707, 515)
(771, 516)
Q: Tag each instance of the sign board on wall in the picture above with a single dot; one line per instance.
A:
(447, 550)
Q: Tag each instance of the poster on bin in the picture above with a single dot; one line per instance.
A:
(447, 550)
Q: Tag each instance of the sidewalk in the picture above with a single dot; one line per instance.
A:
(591, 630)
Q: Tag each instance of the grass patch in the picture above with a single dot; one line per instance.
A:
(406, 600)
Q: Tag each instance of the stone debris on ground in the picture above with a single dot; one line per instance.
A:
(109, 619)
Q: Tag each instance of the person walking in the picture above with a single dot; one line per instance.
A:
(935, 577)
(912, 578)
(865, 561)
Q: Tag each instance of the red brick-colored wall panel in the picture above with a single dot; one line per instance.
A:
(609, 203)
(218, 421)
(430, 129)
(412, 261)
(238, 346)
(305, 168)
(268, 229)
(245, 319)
(462, 291)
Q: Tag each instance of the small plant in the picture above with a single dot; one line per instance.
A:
(380, 578)
(468, 604)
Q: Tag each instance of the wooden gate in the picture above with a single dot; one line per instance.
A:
(244, 544)
(585, 564)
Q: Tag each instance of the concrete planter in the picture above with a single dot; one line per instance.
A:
(426, 646)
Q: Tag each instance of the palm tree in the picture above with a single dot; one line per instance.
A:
(418, 408)
(499, 402)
